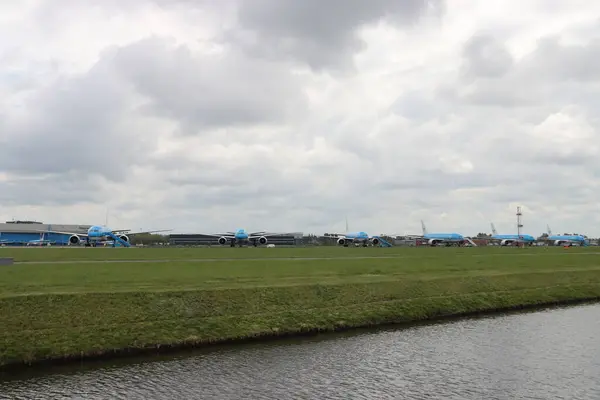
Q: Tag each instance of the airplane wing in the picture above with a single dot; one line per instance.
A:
(255, 235)
(62, 232)
(114, 231)
(218, 235)
(128, 231)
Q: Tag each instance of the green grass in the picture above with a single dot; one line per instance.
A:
(102, 253)
(62, 303)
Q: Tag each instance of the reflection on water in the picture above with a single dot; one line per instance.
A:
(553, 354)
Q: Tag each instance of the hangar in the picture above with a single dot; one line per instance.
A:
(196, 239)
(24, 233)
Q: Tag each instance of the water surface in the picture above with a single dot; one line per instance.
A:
(551, 354)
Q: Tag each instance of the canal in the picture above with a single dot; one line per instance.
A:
(548, 354)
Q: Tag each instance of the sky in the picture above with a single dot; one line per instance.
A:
(288, 116)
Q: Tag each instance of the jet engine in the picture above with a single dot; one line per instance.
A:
(506, 242)
(433, 242)
(559, 242)
(74, 239)
(222, 240)
(124, 238)
(375, 241)
(341, 241)
(262, 240)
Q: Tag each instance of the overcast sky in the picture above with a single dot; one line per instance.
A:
(287, 115)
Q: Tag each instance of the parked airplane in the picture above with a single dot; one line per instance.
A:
(359, 238)
(568, 240)
(34, 242)
(241, 237)
(508, 240)
(101, 233)
(449, 239)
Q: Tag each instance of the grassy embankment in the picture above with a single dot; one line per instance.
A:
(67, 310)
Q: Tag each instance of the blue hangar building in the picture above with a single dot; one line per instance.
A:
(33, 233)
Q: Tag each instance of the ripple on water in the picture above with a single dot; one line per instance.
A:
(554, 354)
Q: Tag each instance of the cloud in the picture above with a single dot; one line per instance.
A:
(209, 90)
(285, 115)
(552, 68)
(484, 57)
(72, 125)
(321, 34)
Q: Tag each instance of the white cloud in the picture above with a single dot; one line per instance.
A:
(204, 116)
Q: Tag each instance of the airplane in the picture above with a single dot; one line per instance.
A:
(358, 238)
(34, 242)
(5, 241)
(509, 240)
(449, 239)
(101, 233)
(241, 237)
(568, 240)
(41, 241)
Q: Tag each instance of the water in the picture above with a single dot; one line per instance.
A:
(551, 354)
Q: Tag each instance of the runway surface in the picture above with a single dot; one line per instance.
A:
(199, 260)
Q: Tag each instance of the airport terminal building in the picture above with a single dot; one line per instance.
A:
(191, 239)
(25, 233)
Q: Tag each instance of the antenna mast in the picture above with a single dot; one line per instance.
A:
(519, 221)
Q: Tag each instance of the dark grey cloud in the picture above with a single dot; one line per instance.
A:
(320, 33)
(203, 91)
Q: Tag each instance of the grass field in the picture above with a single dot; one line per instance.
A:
(66, 303)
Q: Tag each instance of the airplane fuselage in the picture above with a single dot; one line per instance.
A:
(242, 237)
(360, 238)
(507, 240)
(98, 232)
(448, 238)
(357, 236)
(567, 240)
